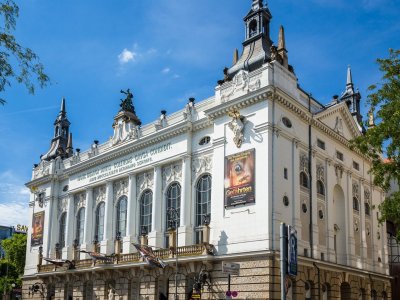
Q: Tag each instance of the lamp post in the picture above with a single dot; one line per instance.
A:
(174, 213)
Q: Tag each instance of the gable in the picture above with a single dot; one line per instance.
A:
(339, 119)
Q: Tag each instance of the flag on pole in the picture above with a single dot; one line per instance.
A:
(148, 255)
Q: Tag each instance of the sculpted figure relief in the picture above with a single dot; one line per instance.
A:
(237, 127)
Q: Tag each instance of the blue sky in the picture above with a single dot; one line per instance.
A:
(166, 51)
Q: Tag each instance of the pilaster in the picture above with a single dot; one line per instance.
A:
(69, 232)
(88, 231)
(156, 236)
(107, 245)
(185, 231)
(132, 216)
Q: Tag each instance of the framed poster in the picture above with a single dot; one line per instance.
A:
(240, 178)
(37, 229)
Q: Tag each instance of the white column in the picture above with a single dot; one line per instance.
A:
(363, 242)
(69, 232)
(132, 216)
(88, 231)
(156, 237)
(185, 229)
(107, 245)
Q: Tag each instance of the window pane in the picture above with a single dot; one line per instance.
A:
(121, 216)
(80, 226)
(173, 201)
(62, 230)
(145, 211)
(100, 221)
(203, 199)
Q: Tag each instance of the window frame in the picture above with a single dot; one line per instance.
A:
(99, 235)
(80, 226)
(148, 224)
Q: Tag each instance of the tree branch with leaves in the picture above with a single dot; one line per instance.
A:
(17, 63)
(382, 139)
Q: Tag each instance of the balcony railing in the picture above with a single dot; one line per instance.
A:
(185, 251)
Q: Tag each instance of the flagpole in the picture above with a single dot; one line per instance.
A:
(173, 211)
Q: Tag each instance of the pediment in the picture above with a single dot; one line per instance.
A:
(340, 120)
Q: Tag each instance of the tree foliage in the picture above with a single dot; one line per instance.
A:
(17, 63)
(383, 139)
(15, 249)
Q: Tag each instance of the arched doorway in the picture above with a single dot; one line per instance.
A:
(339, 221)
(345, 291)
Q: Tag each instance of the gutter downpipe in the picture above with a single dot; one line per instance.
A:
(319, 281)
(310, 175)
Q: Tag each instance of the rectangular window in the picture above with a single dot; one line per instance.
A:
(321, 144)
(339, 155)
(356, 166)
(285, 173)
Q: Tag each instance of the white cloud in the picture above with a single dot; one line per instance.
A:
(14, 199)
(14, 213)
(176, 76)
(166, 70)
(126, 56)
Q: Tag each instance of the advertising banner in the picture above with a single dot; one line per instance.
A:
(37, 229)
(240, 178)
(292, 251)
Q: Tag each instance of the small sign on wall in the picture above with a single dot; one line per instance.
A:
(240, 178)
(37, 229)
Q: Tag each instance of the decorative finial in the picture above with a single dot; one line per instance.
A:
(235, 56)
(69, 149)
(62, 110)
(349, 76)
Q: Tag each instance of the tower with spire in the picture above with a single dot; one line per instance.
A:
(352, 98)
(61, 144)
(257, 43)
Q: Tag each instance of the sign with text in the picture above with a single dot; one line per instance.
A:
(37, 229)
(292, 251)
(230, 268)
(240, 178)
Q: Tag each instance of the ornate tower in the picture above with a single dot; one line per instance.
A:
(62, 139)
(257, 43)
(352, 98)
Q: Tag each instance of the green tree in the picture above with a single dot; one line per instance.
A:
(383, 139)
(15, 249)
(17, 63)
(8, 276)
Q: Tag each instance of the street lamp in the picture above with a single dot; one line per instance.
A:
(174, 216)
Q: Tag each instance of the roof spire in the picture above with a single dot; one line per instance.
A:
(281, 39)
(69, 148)
(235, 56)
(349, 77)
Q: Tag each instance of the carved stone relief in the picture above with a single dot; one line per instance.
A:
(62, 205)
(367, 193)
(338, 172)
(201, 165)
(356, 190)
(239, 82)
(79, 201)
(320, 172)
(145, 181)
(41, 170)
(303, 163)
(99, 194)
(172, 173)
(120, 188)
(237, 126)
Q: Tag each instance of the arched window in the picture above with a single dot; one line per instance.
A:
(80, 225)
(173, 201)
(203, 204)
(121, 215)
(367, 209)
(63, 225)
(99, 228)
(320, 188)
(356, 205)
(253, 28)
(304, 180)
(146, 201)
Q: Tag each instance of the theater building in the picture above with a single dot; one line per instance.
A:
(260, 151)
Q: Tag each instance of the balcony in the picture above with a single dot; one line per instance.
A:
(128, 259)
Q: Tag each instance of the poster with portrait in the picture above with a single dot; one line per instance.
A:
(37, 229)
(240, 178)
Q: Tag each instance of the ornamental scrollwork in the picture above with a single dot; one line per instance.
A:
(79, 201)
(145, 181)
(367, 193)
(356, 190)
(43, 169)
(172, 173)
(120, 188)
(201, 165)
(99, 195)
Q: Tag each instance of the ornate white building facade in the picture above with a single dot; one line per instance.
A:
(259, 152)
